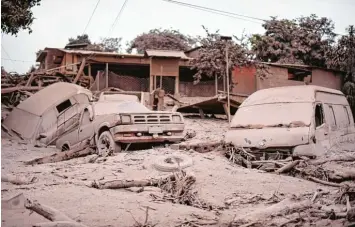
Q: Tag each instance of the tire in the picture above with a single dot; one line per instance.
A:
(172, 163)
(106, 145)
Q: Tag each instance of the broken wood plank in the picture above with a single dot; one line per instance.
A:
(46, 211)
(324, 182)
(81, 69)
(62, 156)
(24, 88)
(288, 167)
(59, 224)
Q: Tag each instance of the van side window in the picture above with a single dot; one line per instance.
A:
(333, 115)
(319, 116)
(64, 105)
(347, 114)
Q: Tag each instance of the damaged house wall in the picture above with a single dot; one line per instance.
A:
(245, 81)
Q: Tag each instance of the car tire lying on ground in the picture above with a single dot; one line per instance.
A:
(171, 163)
(107, 144)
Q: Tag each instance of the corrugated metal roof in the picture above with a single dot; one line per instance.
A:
(166, 54)
(89, 52)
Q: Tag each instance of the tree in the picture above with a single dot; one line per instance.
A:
(304, 40)
(111, 44)
(79, 39)
(161, 39)
(342, 57)
(17, 15)
(211, 60)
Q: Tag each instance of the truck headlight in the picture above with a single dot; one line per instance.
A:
(176, 118)
(125, 119)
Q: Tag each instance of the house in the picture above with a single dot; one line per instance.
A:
(131, 72)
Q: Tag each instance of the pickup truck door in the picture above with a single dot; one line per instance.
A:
(86, 128)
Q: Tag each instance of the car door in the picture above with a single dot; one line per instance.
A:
(321, 126)
(86, 128)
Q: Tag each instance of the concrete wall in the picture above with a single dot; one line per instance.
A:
(202, 89)
(278, 78)
(327, 79)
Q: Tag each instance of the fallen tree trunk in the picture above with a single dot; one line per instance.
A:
(288, 167)
(120, 184)
(324, 182)
(62, 156)
(18, 180)
(342, 176)
(58, 218)
(343, 158)
(286, 206)
(59, 224)
(46, 211)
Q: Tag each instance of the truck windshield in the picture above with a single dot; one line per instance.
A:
(273, 115)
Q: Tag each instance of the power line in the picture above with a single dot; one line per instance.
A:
(92, 14)
(117, 17)
(221, 12)
(9, 59)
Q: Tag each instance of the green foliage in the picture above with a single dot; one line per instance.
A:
(17, 15)
(167, 39)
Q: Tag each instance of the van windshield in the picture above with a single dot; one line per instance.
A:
(273, 115)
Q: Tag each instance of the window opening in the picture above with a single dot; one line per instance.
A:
(64, 105)
(319, 116)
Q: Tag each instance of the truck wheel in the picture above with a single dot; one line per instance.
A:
(172, 163)
(106, 145)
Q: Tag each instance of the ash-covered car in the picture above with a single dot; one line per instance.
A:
(112, 124)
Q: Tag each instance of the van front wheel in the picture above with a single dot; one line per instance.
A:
(106, 145)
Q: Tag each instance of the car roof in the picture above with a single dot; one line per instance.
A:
(287, 94)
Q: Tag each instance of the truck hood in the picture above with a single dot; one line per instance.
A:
(268, 137)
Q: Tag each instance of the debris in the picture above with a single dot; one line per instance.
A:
(198, 146)
(324, 182)
(18, 180)
(286, 206)
(46, 211)
(343, 158)
(59, 224)
(145, 223)
(288, 167)
(62, 156)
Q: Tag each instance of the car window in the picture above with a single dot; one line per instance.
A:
(319, 115)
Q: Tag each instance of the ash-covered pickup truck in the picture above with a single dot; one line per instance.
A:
(112, 124)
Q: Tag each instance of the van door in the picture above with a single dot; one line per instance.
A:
(321, 127)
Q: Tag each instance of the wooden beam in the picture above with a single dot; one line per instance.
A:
(81, 69)
(225, 107)
(29, 81)
(177, 83)
(106, 76)
(19, 88)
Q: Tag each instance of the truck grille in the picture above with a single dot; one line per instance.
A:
(151, 119)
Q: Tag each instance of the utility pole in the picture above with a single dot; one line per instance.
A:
(226, 39)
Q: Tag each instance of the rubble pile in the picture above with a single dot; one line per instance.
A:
(16, 88)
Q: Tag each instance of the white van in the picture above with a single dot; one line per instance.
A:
(298, 120)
